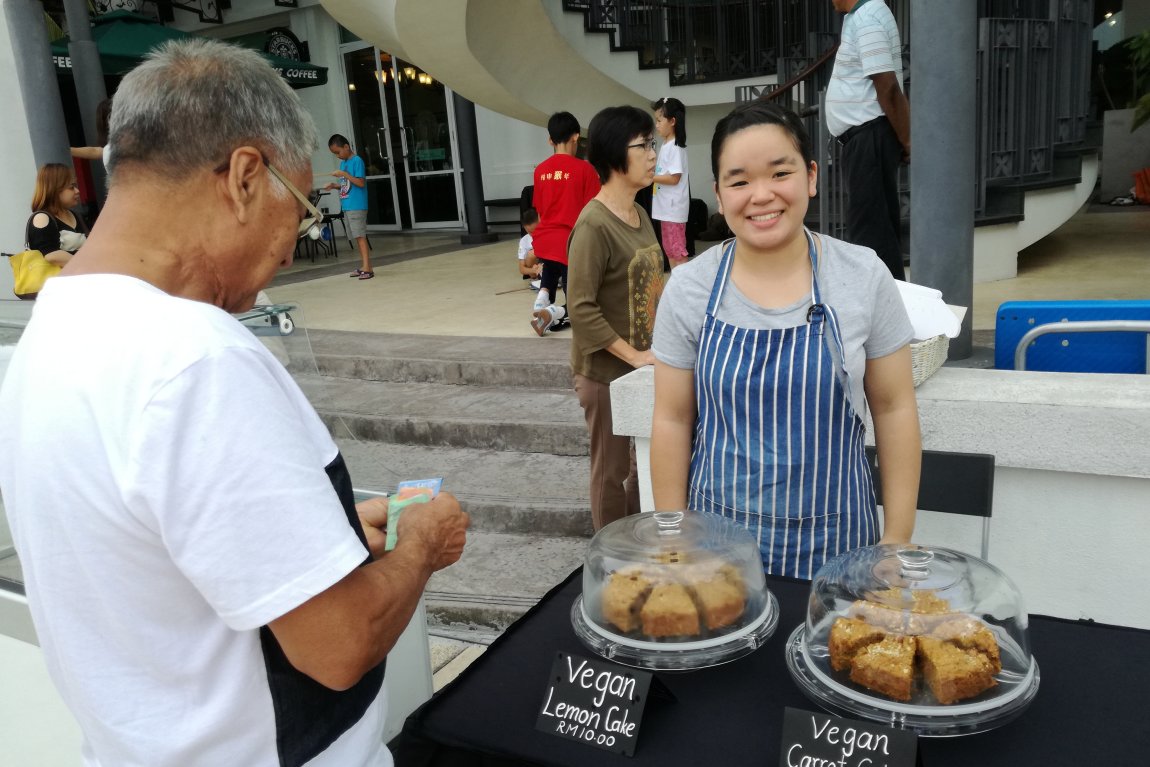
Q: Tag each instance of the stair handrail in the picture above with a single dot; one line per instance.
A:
(807, 73)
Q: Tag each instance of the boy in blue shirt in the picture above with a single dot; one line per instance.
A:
(352, 198)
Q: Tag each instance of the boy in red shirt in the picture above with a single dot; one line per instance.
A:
(563, 185)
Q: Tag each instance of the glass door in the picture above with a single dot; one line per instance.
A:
(368, 72)
(431, 165)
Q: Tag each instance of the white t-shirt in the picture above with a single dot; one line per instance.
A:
(168, 490)
(524, 246)
(869, 45)
(671, 202)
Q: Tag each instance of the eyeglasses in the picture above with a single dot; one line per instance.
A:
(648, 145)
(314, 217)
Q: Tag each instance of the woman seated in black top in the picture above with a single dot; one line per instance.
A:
(54, 229)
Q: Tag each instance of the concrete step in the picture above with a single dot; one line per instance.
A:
(500, 577)
(503, 491)
(516, 419)
(401, 358)
(499, 421)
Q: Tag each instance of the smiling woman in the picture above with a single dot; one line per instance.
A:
(769, 349)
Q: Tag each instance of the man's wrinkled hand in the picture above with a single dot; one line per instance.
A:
(439, 526)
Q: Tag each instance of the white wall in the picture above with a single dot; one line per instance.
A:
(509, 150)
(17, 166)
(328, 104)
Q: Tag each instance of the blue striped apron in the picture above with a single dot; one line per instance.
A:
(778, 447)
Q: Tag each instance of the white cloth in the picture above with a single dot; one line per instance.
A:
(671, 202)
(165, 482)
(869, 45)
(852, 280)
(72, 241)
(524, 246)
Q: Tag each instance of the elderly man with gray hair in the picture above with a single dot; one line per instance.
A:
(198, 573)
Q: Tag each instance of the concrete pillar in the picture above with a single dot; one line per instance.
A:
(88, 73)
(17, 163)
(943, 62)
(468, 140)
(37, 78)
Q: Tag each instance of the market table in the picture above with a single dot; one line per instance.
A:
(1090, 708)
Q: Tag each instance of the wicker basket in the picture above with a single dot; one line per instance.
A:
(927, 356)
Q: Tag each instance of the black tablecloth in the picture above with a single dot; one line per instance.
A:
(1091, 706)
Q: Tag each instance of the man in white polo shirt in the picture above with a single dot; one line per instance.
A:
(868, 112)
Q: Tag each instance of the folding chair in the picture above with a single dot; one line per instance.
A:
(338, 218)
(951, 483)
(332, 218)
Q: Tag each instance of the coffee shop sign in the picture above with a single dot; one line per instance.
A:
(65, 62)
(298, 74)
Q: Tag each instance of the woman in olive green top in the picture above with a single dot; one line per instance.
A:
(615, 278)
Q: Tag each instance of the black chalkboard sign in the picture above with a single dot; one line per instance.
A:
(594, 702)
(813, 740)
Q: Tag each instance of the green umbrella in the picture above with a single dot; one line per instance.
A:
(124, 38)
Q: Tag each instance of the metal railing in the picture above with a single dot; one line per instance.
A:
(711, 40)
(1034, 85)
(1016, 106)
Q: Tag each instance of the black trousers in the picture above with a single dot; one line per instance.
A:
(553, 273)
(871, 155)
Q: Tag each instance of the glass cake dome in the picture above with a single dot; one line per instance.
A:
(917, 637)
(674, 590)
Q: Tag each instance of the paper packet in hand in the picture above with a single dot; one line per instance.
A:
(407, 493)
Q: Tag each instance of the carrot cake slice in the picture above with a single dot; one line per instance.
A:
(953, 674)
(887, 667)
(848, 636)
(973, 635)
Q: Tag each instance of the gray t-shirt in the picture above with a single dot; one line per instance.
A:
(852, 281)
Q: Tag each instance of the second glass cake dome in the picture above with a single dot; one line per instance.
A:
(674, 590)
(917, 637)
